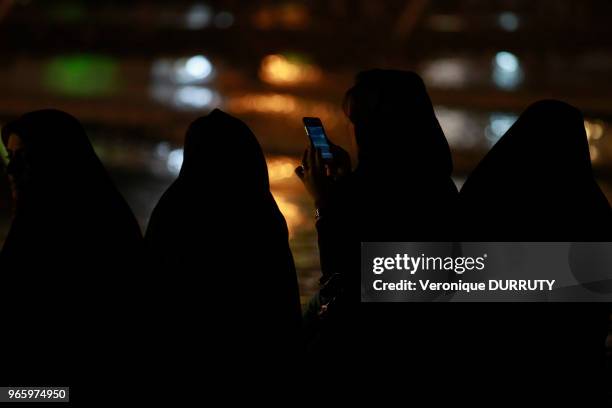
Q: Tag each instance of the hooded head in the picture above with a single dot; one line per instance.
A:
(537, 178)
(395, 124)
(547, 143)
(222, 190)
(54, 159)
(66, 199)
(221, 151)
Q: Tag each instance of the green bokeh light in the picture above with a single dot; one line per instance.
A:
(81, 75)
(3, 154)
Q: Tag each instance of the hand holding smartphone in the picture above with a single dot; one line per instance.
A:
(318, 138)
(319, 177)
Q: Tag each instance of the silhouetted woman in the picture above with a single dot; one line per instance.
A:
(67, 262)
(401, 190)
(536, 184)
(221, 244)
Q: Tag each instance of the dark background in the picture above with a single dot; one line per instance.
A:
(137, 72)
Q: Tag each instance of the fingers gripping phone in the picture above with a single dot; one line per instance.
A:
(318, 138)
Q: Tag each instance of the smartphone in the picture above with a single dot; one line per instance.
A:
(318, 138)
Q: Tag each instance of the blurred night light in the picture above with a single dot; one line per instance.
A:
(594, 153)
(281, 168)
(186, 98)
(193, 97)
(175, 161)
(594, 129)
(292, 212)
(499, 124)
(194, 69)
(187, 71)
(162, 150)
(446, 72)
(284, 105)
(507, 71)
(279, 69)
(460, 128)
(81, 75)
(263, 103)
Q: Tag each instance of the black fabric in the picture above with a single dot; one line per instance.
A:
(536, 184)
(396, 129)
(225, 271)
(70, 264)
(401, 190)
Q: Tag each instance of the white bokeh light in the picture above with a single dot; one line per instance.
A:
(175, 161)
(507, 71)
(193, 70)
(506, 61)
(447, 72)
(199, 67)
(183, 71)
(499, 123)
(193, 97)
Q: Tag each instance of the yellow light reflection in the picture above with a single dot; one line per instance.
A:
(263, 103)
(284, 104)
(594, 129)
(292, 213)
(281, 168)
(594, 151)
(278, 70)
